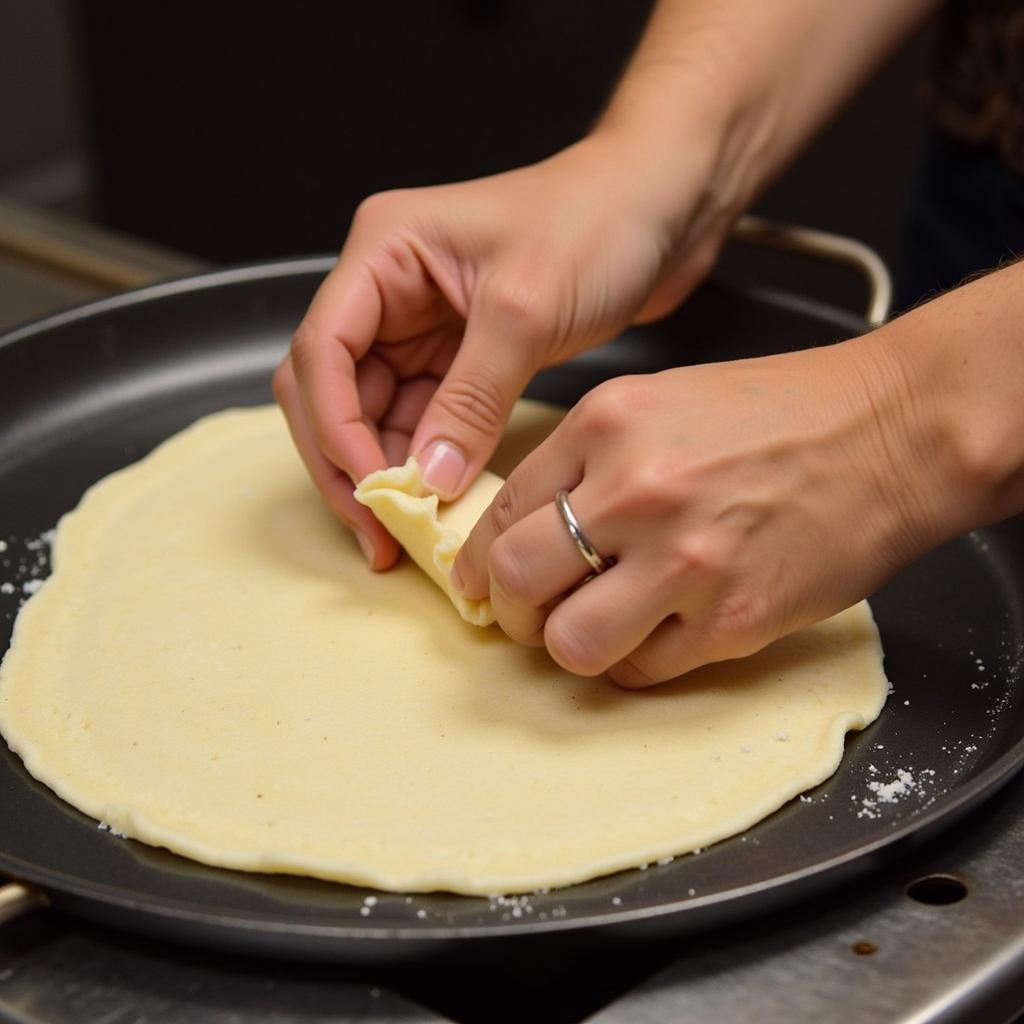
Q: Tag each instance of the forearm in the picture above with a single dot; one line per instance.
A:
(951, 396)
(753, 81)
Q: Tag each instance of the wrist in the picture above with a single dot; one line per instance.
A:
(952, 439)
(906, 454)
(683, 127)
(965, 364)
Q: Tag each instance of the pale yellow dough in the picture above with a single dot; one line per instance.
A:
(431, 532)
(212, 668)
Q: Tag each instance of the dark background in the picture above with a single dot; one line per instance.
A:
(239, 131)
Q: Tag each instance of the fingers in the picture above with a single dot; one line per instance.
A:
(397, 426)
(337, 331)
(464, 421)
(623, 621)
(535, 562)
(681, 644)
(605, 620)
(530, 567)
(380, 548)
(556, 464)
(672, 650)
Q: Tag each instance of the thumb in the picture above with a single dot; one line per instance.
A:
(462, 424)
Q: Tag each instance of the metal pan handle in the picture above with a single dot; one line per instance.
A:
(17, 898)
(824, 245)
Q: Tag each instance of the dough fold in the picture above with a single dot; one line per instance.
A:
(430, 531)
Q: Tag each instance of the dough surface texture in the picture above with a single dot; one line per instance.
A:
(212, 668)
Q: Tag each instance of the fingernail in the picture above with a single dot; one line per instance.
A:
(444, 466)
(456, 577)
(364, 543)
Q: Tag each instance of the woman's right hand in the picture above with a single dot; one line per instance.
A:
(446, 300)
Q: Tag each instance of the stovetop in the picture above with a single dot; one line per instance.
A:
(937, 936)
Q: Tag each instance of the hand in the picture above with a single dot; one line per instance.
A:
(445, 301)
(741, 501)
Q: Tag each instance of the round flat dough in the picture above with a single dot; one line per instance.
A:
(213, 669)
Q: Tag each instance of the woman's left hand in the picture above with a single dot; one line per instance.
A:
(740, 501)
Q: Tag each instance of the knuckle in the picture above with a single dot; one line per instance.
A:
(700, 555)
(657, 485)
(571, 646)
(504, 508)
(475, 400)
(375, 208)
(521, 302)
(738, 625)
(325, 441)
(303, 344)
(611, 406)
(507, 571)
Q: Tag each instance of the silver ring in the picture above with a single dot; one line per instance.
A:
(594, 559)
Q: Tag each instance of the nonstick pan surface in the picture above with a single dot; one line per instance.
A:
(88, 391)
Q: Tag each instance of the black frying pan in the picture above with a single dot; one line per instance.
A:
(88, 391)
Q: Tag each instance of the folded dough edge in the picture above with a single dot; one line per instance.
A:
(430, 532)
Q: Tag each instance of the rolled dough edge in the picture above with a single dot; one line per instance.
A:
(398, 497)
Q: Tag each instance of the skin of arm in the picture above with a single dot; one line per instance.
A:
(445, 301)
(765, 77)
(746, 500)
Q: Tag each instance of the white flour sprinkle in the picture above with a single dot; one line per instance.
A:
(28, 564)
(904, 783)
(782, 737)
(889, 792)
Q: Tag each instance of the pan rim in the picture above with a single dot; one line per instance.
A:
(321, 264)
